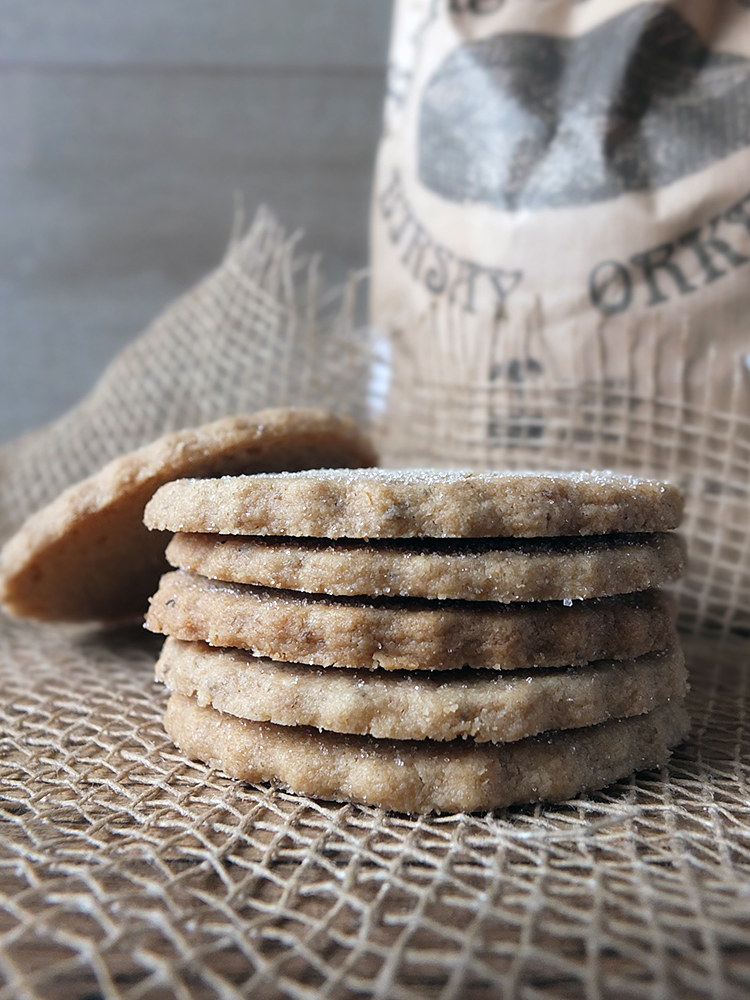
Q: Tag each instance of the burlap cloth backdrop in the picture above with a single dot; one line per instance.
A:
(127, 871)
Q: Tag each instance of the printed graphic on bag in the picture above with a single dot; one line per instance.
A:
(530, 120)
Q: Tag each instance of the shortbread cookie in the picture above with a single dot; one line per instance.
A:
(483, 704)
(88, 556)
(534, 569)
(379, 503)
(408, 633)
(423, 776)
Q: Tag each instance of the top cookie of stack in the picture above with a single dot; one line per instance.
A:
(509, 605)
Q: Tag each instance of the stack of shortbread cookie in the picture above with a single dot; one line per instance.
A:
(422, 640)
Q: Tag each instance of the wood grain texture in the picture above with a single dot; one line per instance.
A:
(125, 132)
(316, 34)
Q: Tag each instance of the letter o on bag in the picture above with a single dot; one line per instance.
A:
(611, 287)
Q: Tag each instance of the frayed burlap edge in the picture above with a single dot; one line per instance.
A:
(259, 331)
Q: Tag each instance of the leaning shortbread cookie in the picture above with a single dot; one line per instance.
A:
(482, 704)
(88, 556)
(536, 569)
(424, 776)
(378, 503)
(408, 633)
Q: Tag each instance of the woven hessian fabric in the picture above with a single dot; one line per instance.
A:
(128, 872)
(256, 332)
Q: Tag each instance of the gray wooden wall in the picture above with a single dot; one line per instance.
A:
(127, 126)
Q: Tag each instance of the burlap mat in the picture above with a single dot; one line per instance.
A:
(127, 871)
(130, 872)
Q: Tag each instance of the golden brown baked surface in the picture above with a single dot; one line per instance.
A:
(408, 633)
(87, 555)
(378, 503)
(482, 704)
(536, 569)
(424, 776)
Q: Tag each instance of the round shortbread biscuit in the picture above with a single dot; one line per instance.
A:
(424, 776)
(535, 569)
(87, 555)
(381, 503)
(409, 633)
(483, 704)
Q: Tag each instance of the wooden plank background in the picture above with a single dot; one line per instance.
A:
(127, 127)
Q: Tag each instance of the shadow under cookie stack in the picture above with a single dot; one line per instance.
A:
(419, 640)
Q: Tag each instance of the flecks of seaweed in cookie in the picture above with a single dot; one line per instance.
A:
(535, 569)
(381, 503)
(409, 633)
(486, 705)
(424, 776)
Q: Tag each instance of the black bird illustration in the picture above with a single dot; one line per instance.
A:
(529, 121)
